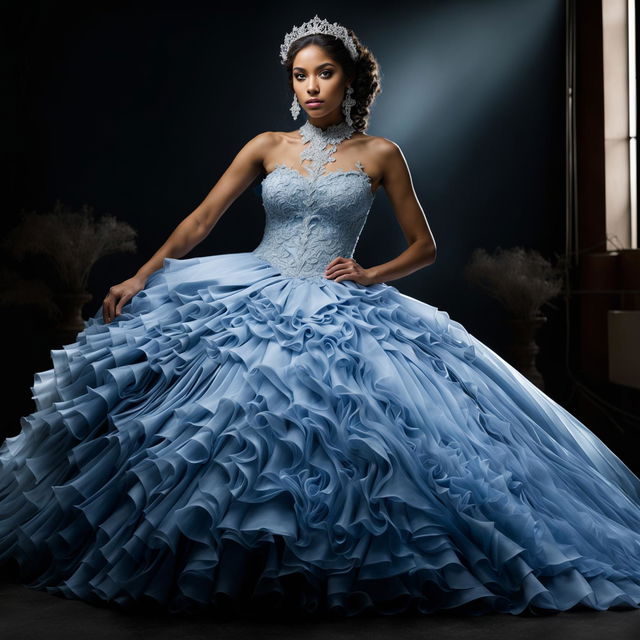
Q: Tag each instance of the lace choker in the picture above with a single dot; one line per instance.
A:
(318, 139)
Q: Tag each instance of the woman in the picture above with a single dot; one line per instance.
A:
(280, 430)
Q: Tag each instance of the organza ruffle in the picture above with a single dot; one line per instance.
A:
(236, 438)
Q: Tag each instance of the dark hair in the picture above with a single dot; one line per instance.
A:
(365, 71)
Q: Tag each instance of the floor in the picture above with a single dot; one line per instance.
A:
(28, 614)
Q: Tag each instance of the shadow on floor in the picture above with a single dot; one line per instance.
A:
(30, 614)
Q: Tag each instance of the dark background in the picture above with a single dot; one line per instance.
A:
(137, 108)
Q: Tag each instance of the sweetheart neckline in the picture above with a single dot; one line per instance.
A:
(359, 172)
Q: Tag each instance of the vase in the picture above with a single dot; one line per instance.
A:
(524, 349)
(71, 321)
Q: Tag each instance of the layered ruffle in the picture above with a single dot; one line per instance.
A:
(240, 439)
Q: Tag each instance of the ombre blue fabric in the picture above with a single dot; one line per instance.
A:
(248, 434)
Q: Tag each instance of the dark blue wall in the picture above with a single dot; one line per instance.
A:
(138, 108)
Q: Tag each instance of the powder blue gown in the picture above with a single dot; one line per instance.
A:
(249, 435)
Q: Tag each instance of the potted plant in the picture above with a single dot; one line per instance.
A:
(71, 242)
(522, 281)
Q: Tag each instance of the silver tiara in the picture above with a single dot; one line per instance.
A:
(315, 25)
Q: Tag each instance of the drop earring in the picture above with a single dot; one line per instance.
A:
(347, 103)
(295, 107)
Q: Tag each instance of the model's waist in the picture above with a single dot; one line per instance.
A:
(307, 265)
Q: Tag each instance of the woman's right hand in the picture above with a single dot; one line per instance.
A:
(119, 295)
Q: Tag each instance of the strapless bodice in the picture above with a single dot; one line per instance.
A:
(311, 221)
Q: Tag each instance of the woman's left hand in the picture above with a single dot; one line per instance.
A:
(347, 269)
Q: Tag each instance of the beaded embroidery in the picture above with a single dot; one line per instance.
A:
(321, 145)
(312, 219)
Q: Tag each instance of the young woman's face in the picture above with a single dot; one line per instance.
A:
(317, 77)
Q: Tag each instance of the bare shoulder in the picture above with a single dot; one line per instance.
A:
(392, 161)
(378, 149)
(270, 140)
(374, 142)
(265, 140)
(385, 148)
(381, 154)
(276, 137)
(260, 148)
(276, 146)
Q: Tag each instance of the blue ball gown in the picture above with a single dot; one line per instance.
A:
(249, 435)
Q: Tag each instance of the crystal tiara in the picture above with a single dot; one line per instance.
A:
(315, 25)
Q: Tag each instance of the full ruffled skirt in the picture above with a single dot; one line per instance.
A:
(237, 438)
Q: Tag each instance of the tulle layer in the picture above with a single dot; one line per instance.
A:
(236, 438)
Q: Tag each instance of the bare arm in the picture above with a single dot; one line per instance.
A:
(197, 225)
(193, 229)
(421, 251)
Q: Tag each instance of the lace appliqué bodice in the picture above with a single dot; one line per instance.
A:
(312, 219)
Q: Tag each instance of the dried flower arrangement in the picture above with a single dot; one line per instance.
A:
(522, 280)
(72, 240)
